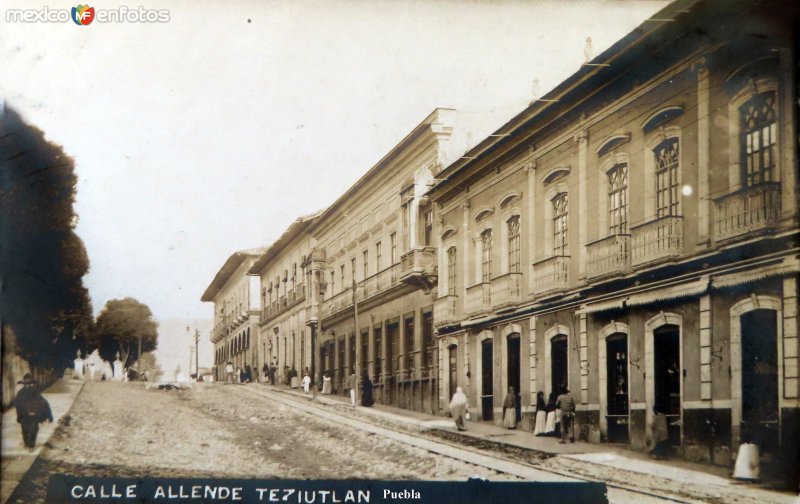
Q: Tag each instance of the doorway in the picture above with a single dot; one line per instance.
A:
(617, 400)
(487, 384)
(558, 364)
(513, 356)
(452, 352)
(667, 378)
(760, 379)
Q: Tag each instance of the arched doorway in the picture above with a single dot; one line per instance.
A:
(617, 400)
(452, 360)
(667, 378)
(559, 378)
(513, 370)
(487, 380)
(760, 379)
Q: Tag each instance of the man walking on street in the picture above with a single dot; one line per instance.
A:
(566, 404)
(32, 409)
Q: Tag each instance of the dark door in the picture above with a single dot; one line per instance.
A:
(617, 398)
(392, 342)
(487, 398)
(558, 363)
(378, 354)
(667, 364)
(760, 379)
(453, 360)
(513, 371)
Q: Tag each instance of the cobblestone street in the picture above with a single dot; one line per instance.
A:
(121, 429)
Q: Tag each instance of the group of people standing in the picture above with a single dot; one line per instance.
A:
(555, 418)
(350, 385)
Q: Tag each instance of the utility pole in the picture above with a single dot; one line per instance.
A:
(197, 353)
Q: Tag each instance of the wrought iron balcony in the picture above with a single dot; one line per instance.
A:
(609, 256)
(418, 267)
(479, 299)
(445, 310)
(750, 209)
(551, 274)
(506, 290)
(657, 240)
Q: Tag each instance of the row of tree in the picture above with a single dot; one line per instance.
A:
(43, 261)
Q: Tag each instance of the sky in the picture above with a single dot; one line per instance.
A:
(212, 132)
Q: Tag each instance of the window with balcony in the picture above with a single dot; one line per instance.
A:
(352, 270)
(667, 156)
(618, 199)
(560, 215)
(451, 271)
(427, 235)
(365, 263)
(486, 251)
(378, 256)
(758, 139)
(341, 277)
(393, 247)
(406, 227)
(513, 245)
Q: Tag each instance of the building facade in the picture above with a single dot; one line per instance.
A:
(284, 338)
(632, 235)
(236, 313)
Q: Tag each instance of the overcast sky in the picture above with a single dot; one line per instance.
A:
(214, 131)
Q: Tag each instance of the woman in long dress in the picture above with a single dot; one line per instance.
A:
(550, 423)
(510, 409)
(459, 408)
(541, 415)
(326, 384)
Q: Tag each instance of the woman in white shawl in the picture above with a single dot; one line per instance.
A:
(459, 408)
(541, 415)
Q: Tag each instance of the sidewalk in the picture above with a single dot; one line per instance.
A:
(16, 460)
(679, 471)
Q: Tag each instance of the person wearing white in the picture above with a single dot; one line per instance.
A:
(541, 415)
(351, 384)
(306, 383)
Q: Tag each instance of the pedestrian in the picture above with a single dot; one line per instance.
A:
(660, 439)
(459, 409)
(265, 371)
(352, 383)
(228, 372)
(541, 415)
(272, 371)
(567, 406)
(248, 374)
(306, 383)
(32, 409)
(326, 383)
(510, 409)
(552, 414)
(366, 393)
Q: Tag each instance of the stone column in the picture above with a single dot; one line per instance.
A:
(583, 215)
(703, 151)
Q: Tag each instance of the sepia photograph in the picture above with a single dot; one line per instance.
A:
(400, 251)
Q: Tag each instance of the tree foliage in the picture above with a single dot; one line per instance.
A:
(42, 260)
(120, 325)
(150, 366)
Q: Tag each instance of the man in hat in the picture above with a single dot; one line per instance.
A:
(32, 409)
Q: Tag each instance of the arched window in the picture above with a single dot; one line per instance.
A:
(618, 199)
(560, 214)
(667, 155)
(758, 139)
(513, 245)
(451, 271)
(486, 247)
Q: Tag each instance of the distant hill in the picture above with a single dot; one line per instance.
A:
(174, 342)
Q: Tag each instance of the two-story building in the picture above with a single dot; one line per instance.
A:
(632, 235)
(236, 313)
(284, 336)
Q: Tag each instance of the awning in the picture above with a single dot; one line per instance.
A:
(675, 291)
(786, 267)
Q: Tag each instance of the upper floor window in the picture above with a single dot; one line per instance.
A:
(378, 247)
(486, 249)
(333, 283)
(428, 230)
(667, 154)
(406, 228)
(341, 276)
(352, 270)
(365, 255)
(758, 139)
(451, 271)
(513, 245)
(618, 199)
(560, 214)
(393, 247)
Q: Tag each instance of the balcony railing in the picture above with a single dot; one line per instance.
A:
(284, 302)
(337, 303)
(750, 209)
(506, 290)
(445, 310)
(657, 240)
(609, 256)
(418, 265)
(551, 274)
(479, 298)
(367, 288)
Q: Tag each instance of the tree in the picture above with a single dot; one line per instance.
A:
(150, 366)
(120, 326)
(42, 260)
